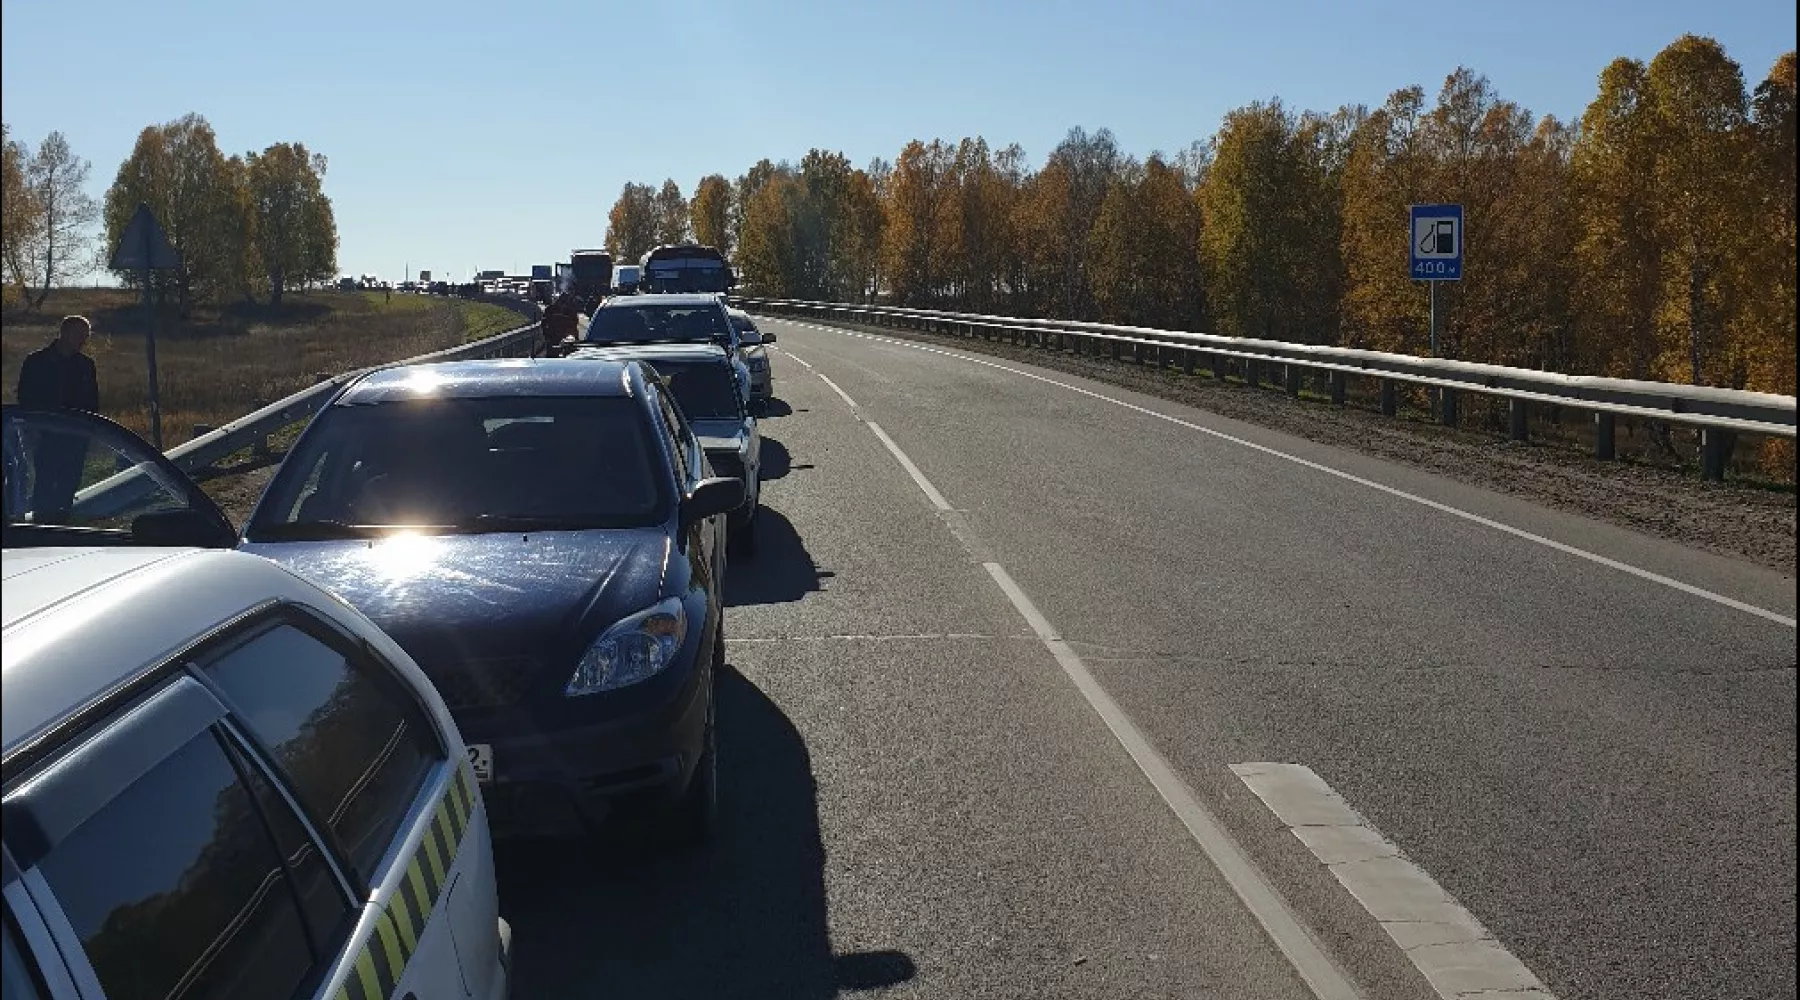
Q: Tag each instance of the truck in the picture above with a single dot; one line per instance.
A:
(590, 274)
(686, 267)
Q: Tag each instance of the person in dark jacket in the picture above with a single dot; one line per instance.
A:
(59, 375)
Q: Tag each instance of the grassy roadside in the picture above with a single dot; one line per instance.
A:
(225, 362)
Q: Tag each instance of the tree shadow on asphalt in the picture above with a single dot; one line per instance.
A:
(781, 571)
(743, 917)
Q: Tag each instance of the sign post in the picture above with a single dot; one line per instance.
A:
(1436, 251)
(144, 247)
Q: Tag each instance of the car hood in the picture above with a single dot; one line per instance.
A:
(457, 597)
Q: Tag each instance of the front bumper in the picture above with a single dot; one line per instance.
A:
(569, 780)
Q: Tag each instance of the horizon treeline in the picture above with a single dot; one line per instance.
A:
(1654, 238)
(248, 226)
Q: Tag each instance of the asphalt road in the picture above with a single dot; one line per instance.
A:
(920, 801)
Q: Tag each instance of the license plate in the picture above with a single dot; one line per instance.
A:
(481, 761)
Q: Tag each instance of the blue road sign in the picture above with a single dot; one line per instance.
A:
(1437, 242)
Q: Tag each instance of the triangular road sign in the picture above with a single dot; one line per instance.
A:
(144, 245)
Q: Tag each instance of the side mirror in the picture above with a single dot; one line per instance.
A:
(768, 336)
(718, 495)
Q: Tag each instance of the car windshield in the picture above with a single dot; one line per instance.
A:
(705, 390)
(654, 322)
(468, 465)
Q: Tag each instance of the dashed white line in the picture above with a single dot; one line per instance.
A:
(834, 388)
(1265, 904)
(930, 491)
(1444, 941)
(1487, 522)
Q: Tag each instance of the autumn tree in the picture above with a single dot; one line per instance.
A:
(1767, 279)
(1144, 265)
(58, 244)
(915, 206)
(178, 171)
(744, 191)
(671, 214)
(1617, 262)
(295, 231)
(710, 213)
(631, 226)
(767, 257)
(18, 229)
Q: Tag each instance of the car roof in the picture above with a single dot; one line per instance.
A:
(490, 378)
(695, 351)
(81, 622)
(662, 299)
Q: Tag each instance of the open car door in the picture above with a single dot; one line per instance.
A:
(75, 478)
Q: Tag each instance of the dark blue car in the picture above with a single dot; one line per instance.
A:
(547, 540)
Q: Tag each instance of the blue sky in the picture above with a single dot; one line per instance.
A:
(465, 135)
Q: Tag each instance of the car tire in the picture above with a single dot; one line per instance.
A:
(746, 536)
(691, 819)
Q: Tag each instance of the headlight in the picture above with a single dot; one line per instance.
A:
(631, 651)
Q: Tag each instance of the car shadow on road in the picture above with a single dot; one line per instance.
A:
(776, 461)
(773, 407)
(743, 917)
(781, 571)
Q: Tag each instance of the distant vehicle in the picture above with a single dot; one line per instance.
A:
(590, 275)
(667, 319)
(547, 539)
(706, 383)
(625, 279)
(752, 346)
(687, 267)
(218, 773)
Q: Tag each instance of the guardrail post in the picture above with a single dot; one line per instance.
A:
(1606, 436)
(1519, 414)
(1252, 373)
(200, 429)
(1187, 362)
(1447, 407)
(1293, 375)
(1115, 350)
(1338, 384)
(1715, 451)
(1390, 405)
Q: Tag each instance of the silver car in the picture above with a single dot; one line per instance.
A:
(753, 348)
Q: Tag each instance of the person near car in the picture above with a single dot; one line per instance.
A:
(561, 321)
(58, 375)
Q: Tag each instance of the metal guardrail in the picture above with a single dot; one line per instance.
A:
(1720, 414)
(116, 493)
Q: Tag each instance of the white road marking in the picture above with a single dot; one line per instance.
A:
(834, 388)
(799, 360)
(1487, 522)
(1301, 949)
(1284, 929)
(930, 491)
(1456, 954)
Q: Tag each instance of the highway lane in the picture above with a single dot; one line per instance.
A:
(1599, 766)
(913, 797)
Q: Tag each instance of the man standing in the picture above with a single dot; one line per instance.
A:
(58, 375)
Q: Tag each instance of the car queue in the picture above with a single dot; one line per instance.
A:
(506, 574)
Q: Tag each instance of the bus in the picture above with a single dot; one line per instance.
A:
(689, 267)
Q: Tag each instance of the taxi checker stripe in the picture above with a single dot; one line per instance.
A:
(395, 935)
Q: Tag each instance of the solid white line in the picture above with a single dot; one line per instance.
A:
(931, 492)
(1444, 941)
(1285, 930)
(1550, 543)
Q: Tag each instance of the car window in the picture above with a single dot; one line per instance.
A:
(469, 465)
(19, 977)
(677, 437)
(657, 322)
(74, 471)
(704, 390)
(354, 752)
(174, 889)
(328, 914)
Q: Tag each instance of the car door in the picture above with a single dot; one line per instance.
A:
(76, 478)
(706, 538)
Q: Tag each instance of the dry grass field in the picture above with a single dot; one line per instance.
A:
(225, 362)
